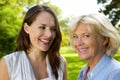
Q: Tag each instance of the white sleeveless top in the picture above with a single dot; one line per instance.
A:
(19, 67)
(46, 79)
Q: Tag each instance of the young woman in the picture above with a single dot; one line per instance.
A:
(37, 54)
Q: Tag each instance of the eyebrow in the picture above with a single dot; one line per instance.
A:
(43, 24)
(81, 33)
(50, 26)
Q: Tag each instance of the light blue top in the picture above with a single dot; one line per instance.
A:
(106, 69)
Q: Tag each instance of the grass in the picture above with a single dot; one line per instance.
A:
(74, 63)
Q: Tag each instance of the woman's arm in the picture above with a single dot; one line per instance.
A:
(3, 70)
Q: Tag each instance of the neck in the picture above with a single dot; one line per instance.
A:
(36, 55)
(94, 61)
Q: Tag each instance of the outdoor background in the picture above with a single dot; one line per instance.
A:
(12, 13)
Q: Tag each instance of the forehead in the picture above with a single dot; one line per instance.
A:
(81, 27)
(45, 18)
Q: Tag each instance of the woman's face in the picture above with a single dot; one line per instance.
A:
(42, 31)
(87, 45)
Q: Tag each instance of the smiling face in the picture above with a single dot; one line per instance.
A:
(42, 31)
(87, 45)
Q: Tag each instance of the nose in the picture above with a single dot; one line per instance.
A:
(79, 42)
(48, 33)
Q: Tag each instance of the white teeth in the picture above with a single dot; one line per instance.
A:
(81, 50)
(45, 40)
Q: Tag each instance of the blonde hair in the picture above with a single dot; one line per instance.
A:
(100, 25)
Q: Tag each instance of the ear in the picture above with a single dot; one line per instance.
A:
(106, 40)
(26, 28)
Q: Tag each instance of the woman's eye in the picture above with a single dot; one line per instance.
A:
(86, 36)
(74, 37)
(42, 27)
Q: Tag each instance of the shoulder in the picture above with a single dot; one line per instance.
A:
(13, 60)
(113, 64)
(114, 75)
(116, 63)
(3, 70)
(13, 56)
(64, 67)
(63, 60)
(2, 63)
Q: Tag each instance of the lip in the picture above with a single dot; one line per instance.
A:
(82, 50)
(45, 41)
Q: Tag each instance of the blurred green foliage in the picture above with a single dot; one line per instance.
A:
(11, 15)
(10, 21)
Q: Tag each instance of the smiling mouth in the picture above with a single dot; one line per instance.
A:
(47, 42)
(82, 50)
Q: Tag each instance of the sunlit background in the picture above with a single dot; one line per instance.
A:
(12, 13)
(76, 7)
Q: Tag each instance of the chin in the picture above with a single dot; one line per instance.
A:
(83, 57)
(45, 49)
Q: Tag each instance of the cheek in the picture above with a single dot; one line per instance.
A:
(33, 35)
(93, 43)
(35, 32)
(94, 47)
(54, 35)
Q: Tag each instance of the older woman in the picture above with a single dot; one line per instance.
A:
(96, 41)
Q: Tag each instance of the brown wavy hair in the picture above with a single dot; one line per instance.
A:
(23, 41)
